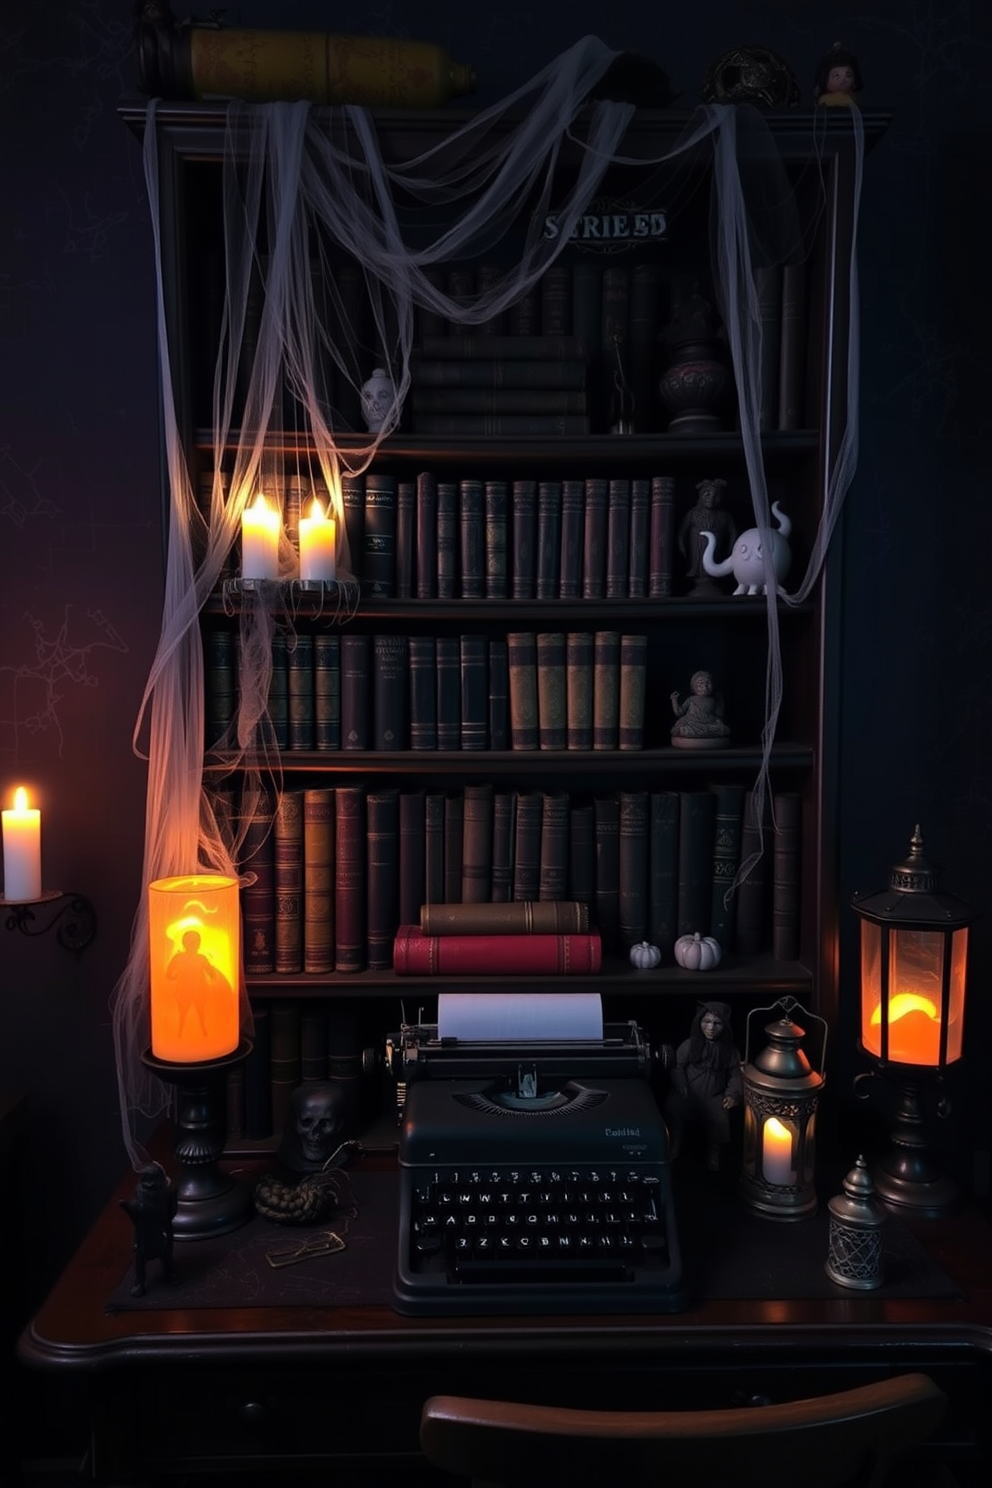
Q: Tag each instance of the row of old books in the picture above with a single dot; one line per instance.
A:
(492, 384)
(334, 872)
(523, 691)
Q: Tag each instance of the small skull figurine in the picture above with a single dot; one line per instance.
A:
(315, 1127)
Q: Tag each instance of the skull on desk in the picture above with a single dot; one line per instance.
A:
(316, 1125)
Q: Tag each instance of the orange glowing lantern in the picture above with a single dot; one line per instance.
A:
(914, 950)
(194, 932)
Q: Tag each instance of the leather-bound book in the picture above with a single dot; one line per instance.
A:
(523, 317)
(573, 515)
(447, 539)
(581, 852)
(499, 694)
(616, 341)
(287, 834)
(489, 277)
(578, 689)
(606, 690)
(644, 319)
(413, 854)
(390, 696)
(313, 1044)
(474, 663)
(355, 652)
(454, 845)
(504, 845)
(556, 300)
(353, 506)
(299, 670)
(497, 403)
(493, 375)
(277, 704)
(727, 826)
(383, 875)
(423, 692)
(548, 538)
(662, 537)
(617, 538)
(258, 896)
(449, 692)
(350, 886)
(326, 690)
(606, 811)
(633, 868)
(318, 878)
(594, 539)
(258, 1077)
(426, 535)
(553, 876)
(477, 844)
(633, 689)
(545, 917)
(522, 662)
(472, 538)
(523, 539)
(220, 681)
(496, 515)
(752, 920)
(497, 350)
(640, 536)
(379, 568)
(406, 539)
(663, 871)
(551, 690)
(434, 847)
(417, 954)
(527, 845)
(697, 810)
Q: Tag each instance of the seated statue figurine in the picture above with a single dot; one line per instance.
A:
(706, 1082)
(699, 719)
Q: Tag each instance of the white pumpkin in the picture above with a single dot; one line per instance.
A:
(645, 956)
(697, 952)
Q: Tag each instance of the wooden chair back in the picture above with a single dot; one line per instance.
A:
(850, 1437)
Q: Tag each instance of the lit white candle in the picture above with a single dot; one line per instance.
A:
(317, 533)
(776, 1152)
(260, 524)
(21, 850)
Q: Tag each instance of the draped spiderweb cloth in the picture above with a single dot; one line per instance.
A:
(301, 188)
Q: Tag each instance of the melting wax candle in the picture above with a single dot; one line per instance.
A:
(317, 534)
(260, 540)
(21, 849)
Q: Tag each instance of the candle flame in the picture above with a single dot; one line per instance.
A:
(317, 513)
(20, 799)
(905, 1003)
(260, 503)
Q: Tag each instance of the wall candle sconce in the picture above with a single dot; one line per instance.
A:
(194, 938)
(30, 908)
(781, 1095)
(914, 950)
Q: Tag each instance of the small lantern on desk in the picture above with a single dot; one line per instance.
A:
(854, 1256)
(781, 1095)
(914, 950)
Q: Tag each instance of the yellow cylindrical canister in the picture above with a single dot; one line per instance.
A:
(377, 71)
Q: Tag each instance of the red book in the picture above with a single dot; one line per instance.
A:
(416, 954)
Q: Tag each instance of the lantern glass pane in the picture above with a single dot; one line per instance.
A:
(809, 1149)
(194, 933)
(914, 1000)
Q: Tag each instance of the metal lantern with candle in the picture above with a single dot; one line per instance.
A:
(781, 1095)
(914, 948)
(194, 939)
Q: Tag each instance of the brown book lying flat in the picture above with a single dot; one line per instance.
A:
(416, 954)
(533, 917)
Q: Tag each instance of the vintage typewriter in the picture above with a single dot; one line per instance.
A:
(534, 1176)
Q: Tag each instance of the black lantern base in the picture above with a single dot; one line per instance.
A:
(210, 1202)
(908, 1176)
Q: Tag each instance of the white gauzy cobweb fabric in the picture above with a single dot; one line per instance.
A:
(299, 187)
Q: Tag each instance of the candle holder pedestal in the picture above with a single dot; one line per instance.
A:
(210, 1202)
(72, 914)
(908, 1175)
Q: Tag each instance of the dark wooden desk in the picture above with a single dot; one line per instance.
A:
(175, 1390)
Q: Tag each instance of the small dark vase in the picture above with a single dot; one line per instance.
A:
(694, 387)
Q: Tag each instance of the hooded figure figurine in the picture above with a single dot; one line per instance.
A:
(706, 1082)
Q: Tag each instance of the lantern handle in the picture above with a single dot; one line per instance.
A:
(788, 1005)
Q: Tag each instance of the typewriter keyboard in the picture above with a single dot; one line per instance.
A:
(544, 1238)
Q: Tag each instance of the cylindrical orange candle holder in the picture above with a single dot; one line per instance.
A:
(194, 930)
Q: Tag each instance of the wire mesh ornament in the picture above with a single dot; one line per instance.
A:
(854, 1255)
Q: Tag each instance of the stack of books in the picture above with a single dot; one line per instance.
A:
(543, 938)
(523, 385)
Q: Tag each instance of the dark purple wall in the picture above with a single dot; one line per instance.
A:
(80, 547)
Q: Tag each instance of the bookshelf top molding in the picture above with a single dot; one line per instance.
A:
(198, 128)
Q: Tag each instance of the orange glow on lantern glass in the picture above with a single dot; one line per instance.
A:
(195, 949)
(914, 997)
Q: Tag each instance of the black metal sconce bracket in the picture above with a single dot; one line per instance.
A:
(71, 915)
